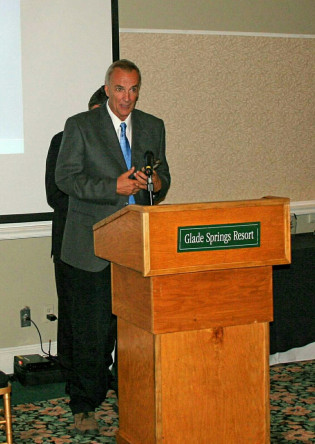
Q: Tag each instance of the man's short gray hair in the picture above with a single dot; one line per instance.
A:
(125, 65)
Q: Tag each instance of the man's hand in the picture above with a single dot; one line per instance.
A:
(126, 186)
(142, 179)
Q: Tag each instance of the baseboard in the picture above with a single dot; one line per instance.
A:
(7, 354)
(306, 353)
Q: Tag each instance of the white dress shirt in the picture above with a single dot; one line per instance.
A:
(116, 122)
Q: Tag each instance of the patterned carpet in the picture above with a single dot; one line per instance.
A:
(292, 413)
(292, 399)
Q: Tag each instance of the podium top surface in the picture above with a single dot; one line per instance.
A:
(181, 238)
(199, 206)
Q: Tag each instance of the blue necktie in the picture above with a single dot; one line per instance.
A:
(125, 148)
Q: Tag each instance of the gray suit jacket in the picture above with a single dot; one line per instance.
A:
(89, 163)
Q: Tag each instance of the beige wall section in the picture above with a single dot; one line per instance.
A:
(26, 278)
(239, 112)
(271, 16)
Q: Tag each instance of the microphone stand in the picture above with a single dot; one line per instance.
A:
(149, 165)
(150, 185)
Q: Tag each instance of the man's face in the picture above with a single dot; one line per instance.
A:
(122, 92)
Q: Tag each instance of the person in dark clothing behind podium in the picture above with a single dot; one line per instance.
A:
(58, 200)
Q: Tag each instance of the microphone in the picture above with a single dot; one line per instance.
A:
(148, 163)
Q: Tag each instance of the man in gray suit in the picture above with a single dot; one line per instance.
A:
(92, 170)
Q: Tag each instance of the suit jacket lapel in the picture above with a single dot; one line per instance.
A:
(111, 142)
(139, 136)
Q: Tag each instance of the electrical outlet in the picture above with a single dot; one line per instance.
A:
(25, 316)
(48, 309)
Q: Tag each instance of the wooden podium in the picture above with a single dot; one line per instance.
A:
(192, 290)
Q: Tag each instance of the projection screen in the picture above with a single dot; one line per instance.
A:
(54, 55)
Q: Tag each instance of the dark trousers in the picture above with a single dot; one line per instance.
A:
(87, 332)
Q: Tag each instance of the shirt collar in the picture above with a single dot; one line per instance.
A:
(116, 121)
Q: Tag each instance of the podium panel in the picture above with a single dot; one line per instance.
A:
(195, 387)
(148, 236)
(218, 298)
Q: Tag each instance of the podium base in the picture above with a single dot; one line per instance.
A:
(121, 440)
(194, 387)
